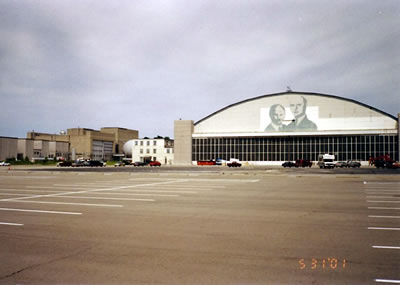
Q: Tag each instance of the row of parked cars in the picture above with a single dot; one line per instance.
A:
(297, 163)
(308, 163)
(349, 163)
(137, 163)
(81, 163)
(97, 163)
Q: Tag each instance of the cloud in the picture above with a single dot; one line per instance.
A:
(143, 64)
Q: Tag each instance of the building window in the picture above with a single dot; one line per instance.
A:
(168, 150)
(147, 150)
(148, 142)
(141, 142)
(154, 142)
(136, 142)
(154, 150)
(141, 150)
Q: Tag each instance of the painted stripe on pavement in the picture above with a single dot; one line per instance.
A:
(387, 281)
(107, 198)
(384, 229)
(39, 211)
(10, 224)
(65, 203)
(386, 247)
(384, 217)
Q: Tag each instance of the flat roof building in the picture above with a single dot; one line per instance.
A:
(91, 144)
(8, 148)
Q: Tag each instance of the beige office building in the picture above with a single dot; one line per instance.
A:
(90, 144)
(8, 148)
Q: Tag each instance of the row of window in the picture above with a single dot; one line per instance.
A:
(168, 150)
(147, 142)
(292, 148)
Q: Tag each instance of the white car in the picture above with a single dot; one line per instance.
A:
(4, 163)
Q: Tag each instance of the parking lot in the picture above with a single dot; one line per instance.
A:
(197, 226)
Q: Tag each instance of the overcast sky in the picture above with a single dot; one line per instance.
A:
(143, 64)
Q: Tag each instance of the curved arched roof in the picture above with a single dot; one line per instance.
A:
(297, 92)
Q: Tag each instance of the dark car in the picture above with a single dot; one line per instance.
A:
(139, 163)
(288, 164)
(94, 163)
(234, 164)
(341, 164)
(155, 163)
(64, 163)
(353, 164)
(303, 163)
(78, 163)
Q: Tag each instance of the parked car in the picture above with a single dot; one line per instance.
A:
(288, 164)
(119, 164)
(139, 163)
(303, 163)
(341, 164)
(95, 163)
(78, 163)
(155, 163)
(353, 164)
(3, 163)
(234, 164)
(65, 163)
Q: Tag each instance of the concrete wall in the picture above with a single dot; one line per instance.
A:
(183, 130)
(58, 149)
(25, 148)
(8, 148)
(121, 136)
(47, 137)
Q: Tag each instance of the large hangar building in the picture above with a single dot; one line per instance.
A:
(273, 128)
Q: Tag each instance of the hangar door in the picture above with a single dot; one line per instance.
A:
(102, 150)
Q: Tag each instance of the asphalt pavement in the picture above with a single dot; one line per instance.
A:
(199, 226)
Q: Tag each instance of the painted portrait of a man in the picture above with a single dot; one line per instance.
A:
(277, 114)
(298, 106)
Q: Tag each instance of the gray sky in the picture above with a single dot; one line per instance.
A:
(143, 64)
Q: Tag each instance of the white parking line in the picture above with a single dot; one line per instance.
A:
(11, 194)
(387, 182)
(386, 247)
(387, 281)
(107, 198)
(88, 191)
(10, 224)
(29, 190)
(383, 201)
(153, 191)
(65, 203)
(384, 217)
(383, 191)
(383, 208)
(203, 180)
(39, 211)
(389, 196)
(178, 188)
(384, 229)
(52, 187)
(197, 186)
(136, 194)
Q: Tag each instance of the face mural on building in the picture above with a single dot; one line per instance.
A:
(290, 118)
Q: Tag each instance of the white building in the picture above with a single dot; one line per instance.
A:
(147, 150)
(273, 128)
